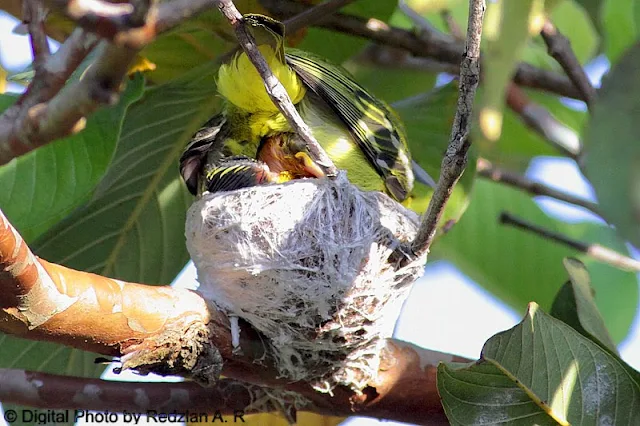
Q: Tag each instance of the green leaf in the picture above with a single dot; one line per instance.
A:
(187, 47)
(619, 26)
(576, 25)
(573, 22)
(576, 306)
(194, 42)
(428, 120)
(506, 31)
(391, 84)
(339, 47)
(540, 372)
(518, 144)
(519, 267)
(133, 227)
(43, 186)
(611, 149)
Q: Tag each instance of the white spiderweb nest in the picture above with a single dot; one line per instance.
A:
(307, 264)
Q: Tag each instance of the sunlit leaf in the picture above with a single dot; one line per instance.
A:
(540, 372)
(576, 306)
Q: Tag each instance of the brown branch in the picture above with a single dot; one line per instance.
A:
(560, 49)
(274, 88)
(28, 126)
(176, 332)
(104, 16)
(455, 159)
(486, 170)
(51, 391)
(34, 16)
(452, 25)
(314, 14)
(394, 58)
(595, 251)
(428, 44)
(538, 119)
(47, 111)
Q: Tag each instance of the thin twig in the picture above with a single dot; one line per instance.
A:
(394, 58)
(455, 159)
(486, 170)
(46, 111)
(452, 25)
(560, 49)
(274, 88)
(596, 251)
(540, 120)
(433, 45)
(34, 16)
(19, 128)
(425, 29)
(314, 14)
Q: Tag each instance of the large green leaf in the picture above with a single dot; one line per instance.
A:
(185, 48)
(339, 47)
(611, 149)
(506, 31)
(133, 227)
(540, 372)
(518, 144)
(575, 305)
(576, 25)
(618, 19)
(42, 187)
(520, 267)
(197, 41)
(391, 84)
(428, 120)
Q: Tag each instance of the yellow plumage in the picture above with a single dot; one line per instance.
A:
(360, 133)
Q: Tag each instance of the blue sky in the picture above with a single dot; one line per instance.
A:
(443, 297)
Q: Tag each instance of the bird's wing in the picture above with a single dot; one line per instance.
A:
(195, 155)
(372, 124)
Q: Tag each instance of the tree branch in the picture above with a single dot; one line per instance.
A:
(486, 170)
(34, 16)
(47, 110)
(274, 88)
(314, 14)
(560, 49)
(595, 251)
(538, 119)
(455, 159)
(427, 44)
(51, 391)
(176, 332)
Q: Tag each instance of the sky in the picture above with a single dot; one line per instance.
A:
(443, 293)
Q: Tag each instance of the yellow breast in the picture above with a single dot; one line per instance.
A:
(240, 83)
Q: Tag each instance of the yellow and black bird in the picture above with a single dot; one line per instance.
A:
(250, 142)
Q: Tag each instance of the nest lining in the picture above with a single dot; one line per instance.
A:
(307, 264)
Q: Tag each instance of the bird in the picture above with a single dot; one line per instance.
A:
(250, 141)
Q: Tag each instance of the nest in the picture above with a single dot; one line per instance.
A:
(313, 265)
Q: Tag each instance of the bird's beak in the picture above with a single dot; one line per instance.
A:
(309, 165)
